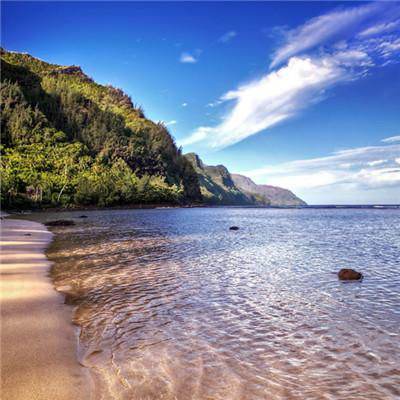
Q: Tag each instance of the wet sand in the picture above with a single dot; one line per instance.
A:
(38, 340)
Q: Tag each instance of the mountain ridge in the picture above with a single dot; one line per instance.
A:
(67, 141)
(216, 185)
(219, 186)
(278, 196)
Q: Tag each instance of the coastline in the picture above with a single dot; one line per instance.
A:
(38, 339)
(155, 206)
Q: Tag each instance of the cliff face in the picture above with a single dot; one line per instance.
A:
(276, 195)
(216, 184)
(219, 186)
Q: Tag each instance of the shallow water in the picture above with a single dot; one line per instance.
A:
(173, 305)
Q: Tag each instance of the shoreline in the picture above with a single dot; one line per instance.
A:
(21, 212)
(38, 340)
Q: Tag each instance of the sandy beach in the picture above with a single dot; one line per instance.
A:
(38, 340)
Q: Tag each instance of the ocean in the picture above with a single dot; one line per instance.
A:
(171, 304)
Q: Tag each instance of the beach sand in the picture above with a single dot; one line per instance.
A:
(38, 340)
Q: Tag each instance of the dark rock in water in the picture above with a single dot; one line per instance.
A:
(60, 222)
(347, 274)
(27, 234)
(234, 228)
(83, 216)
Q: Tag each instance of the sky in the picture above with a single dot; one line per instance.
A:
(303, 95)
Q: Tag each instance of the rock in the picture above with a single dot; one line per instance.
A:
(60, 222)
(234, 228)
(74, 70)
(347, 274)
(83, 216)
(27, 234)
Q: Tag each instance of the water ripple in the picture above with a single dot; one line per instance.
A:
(173, 305)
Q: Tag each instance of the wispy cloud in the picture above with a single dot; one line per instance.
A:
(172, 122)
(275, 97)
(184, 104)
(361, 167)
(391, 139)
(215, 103)
(318, 30)
(380, 28)
(226, 37)
(305, 78)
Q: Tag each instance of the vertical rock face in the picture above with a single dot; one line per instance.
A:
(219, 186)
(216, 184)
(277, 195)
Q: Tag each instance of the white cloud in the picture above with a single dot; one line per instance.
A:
(215, 103)
(388, 47)
(188, 58)
(226, 37)
(391, 139)
(184, 104)
(321, 29)
(304, 80)
(273, 98)
(362, 167)
(172, 122)
(380, 28)
(376, 162)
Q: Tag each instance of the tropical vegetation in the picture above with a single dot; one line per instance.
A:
(68, 141)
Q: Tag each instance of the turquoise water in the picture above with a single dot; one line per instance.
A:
(173, 305)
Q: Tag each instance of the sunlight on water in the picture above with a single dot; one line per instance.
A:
(173, 305)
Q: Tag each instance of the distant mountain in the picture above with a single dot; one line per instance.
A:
(219, 186)
(276, 195)
(216, 184)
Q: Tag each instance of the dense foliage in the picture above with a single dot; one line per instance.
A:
(69, 141)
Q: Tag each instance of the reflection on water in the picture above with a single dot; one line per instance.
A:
(173, 305)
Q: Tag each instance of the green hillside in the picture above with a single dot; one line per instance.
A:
(216, 184)
(68, 141)
(220, 187)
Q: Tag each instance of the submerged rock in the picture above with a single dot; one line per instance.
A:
(234, 228)
(83, 216)
(347, 274)
(60, 222)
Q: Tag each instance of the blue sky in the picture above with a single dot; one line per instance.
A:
(300, 95)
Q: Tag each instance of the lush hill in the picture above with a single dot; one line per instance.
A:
(277, 196)
(219, 186)
(216, 184)
(67, 141)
